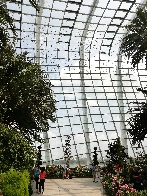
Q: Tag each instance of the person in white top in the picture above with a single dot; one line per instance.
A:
(97, 173)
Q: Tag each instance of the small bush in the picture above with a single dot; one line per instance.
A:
(14, 183)
(142, 193)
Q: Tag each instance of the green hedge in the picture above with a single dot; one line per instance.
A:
(14, 183)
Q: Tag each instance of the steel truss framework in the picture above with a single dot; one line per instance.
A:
(77, 44)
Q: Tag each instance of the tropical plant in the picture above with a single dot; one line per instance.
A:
(116, 153)
(134, 43)
(15, 151)
(137, 122)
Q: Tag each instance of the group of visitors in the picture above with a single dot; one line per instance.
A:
(39, 177)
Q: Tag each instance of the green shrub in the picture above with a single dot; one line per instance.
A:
(14, 183)
(142, 193)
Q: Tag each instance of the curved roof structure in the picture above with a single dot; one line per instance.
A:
(77, 44)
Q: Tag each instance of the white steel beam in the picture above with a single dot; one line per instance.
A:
(121, 104)
(38, 39)
(83, 93)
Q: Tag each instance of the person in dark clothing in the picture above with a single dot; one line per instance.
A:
(37, 172)
(136, 179)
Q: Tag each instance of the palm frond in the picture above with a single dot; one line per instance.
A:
(137, 57)
(134, 43)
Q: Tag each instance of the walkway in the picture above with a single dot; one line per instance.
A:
(71, 187)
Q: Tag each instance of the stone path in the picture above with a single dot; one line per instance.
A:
(71, 187)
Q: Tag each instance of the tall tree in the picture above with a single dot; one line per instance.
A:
(134, 43)
(26, 98)
(26, 101)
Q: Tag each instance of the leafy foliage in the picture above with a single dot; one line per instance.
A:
(32, 2)
(15, 151)
(134, 43)
(141, 161)
(14, 183)
(5, 18)
(26, 98)
(116, 153)
(138, 123)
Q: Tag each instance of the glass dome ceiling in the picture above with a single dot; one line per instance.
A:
(76, 42)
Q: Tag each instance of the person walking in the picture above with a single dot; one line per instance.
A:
(37, 173)
(42, 180)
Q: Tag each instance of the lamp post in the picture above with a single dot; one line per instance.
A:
(39, 156)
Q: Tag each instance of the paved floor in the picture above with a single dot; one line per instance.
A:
(71, 187)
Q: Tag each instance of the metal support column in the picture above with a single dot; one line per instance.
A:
(38, 27)
(38, 39)
(121, 104)
(83, 94)
(84, 106)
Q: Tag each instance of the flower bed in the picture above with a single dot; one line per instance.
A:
(116, 183)
(56, 171)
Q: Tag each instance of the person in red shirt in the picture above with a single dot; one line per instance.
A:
(42, 180)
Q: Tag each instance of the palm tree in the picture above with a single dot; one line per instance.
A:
(134, 43)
